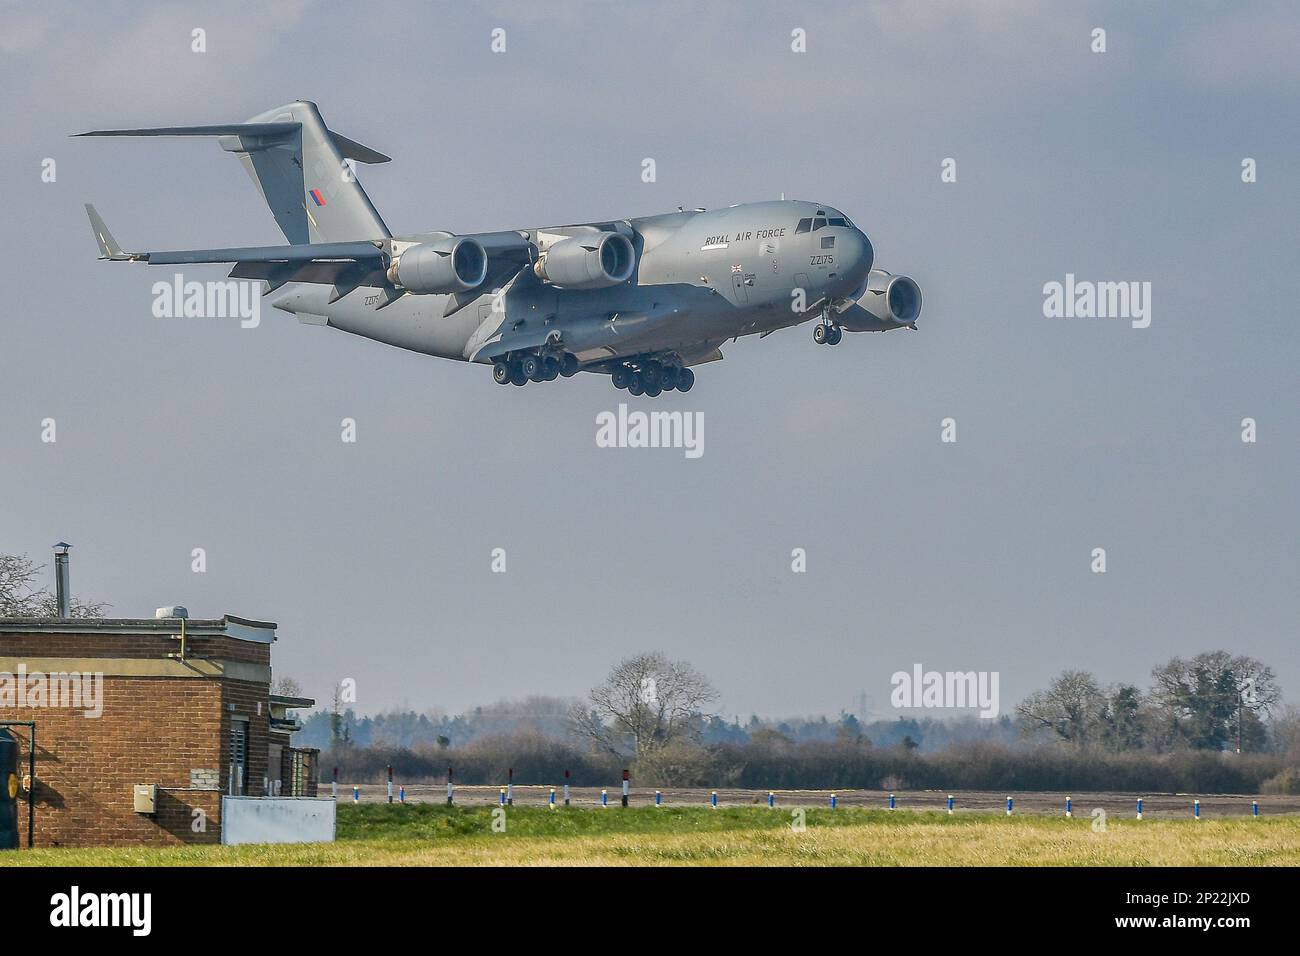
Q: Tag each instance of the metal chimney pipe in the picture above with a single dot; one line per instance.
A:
(62, 580)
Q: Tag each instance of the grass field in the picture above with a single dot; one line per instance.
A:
(433, 835)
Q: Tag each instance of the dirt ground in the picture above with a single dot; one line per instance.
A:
(1154, 805)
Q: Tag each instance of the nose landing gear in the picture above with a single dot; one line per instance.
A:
(827, 334)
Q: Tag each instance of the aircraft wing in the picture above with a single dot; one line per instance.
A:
(300, 253)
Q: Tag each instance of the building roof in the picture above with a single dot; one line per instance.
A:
(228, 625)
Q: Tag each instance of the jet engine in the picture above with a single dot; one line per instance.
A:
(589, 261)
(441, 266)
(886, 302)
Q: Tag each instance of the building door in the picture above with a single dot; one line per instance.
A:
(238, 780)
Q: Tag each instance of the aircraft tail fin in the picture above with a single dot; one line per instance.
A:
(298, 165)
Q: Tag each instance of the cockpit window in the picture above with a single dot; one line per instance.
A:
(818, 223)
(838, 221)
(804, 226)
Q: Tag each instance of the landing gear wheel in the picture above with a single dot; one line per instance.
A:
(636, 386)
(501, 373)
(569, 365)
(550, 369)
(621, 377)
(820, 333)
(517, 376)
(834, 335)
(532, 368)
(652, 373)
(685, 379)
(653, 390)
(670, 377)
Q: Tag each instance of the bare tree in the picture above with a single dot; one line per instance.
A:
(286, 687)
(1073, 708)
(648, 700)
(21, 597)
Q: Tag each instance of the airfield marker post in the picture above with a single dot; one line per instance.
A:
(356, 794)
(1067, 808)
(891, 801)
(713, 799)
(771, 800)
(390, 783)
(1254, 808)
(551, 803)
(1008, 806)
(950, 804)
(401, 793)
(449, 787)
(503, 796)
(1196, 809)
(625, 787)
(832, 801)
(510, 786)
(659, 799)
(334, 784)
(566, 788)
(604, 797)
(1139, 808)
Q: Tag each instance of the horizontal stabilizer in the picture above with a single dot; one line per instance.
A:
(224, 129)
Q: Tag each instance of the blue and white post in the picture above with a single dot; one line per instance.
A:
(401, 793)
(1009, 806)
(566, 788)
(510, 786)
(950, 804)
(1139, 808)
(1068, 814)
(356, 794)
(1196, 809)
(1254, 808)
(713, 800)
(551, 803)
(501, 800)
(771, 800)
(626, 786)
(832, 801)
(390, 783)
(891, 801)
(604, 797)
(659, 799)
(449, 787)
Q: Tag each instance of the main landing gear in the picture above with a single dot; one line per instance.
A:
(826, 334)
(533, 367)
(652, 378)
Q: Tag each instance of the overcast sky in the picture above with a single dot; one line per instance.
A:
(374, 557)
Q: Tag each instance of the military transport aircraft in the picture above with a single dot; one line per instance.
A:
(641, 300)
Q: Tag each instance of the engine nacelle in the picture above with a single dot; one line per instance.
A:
(590, 261)
(441, 266)
(887, 302)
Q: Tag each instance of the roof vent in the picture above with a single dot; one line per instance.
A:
(174, 611)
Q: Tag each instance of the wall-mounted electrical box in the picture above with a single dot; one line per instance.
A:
(146, 798)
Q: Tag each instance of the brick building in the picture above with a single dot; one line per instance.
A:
(183, 706)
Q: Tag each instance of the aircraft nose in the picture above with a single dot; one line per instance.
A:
(858, 255)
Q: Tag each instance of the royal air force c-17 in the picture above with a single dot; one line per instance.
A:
(643, 300)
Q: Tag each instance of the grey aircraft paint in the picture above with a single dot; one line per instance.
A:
(640, 299)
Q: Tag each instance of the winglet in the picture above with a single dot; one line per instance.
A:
(108, 247)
